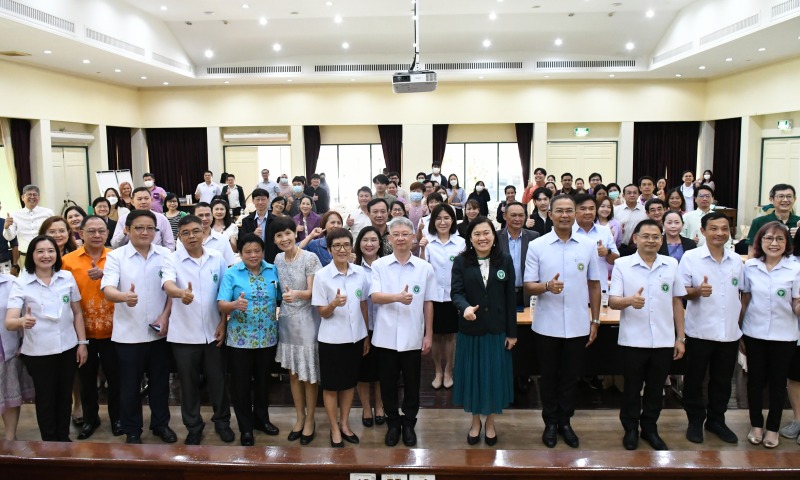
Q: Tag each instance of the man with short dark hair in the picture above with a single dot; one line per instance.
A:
(234, 194)
(258, 223)
(630, 213)
(514, 241)
(656, 208)
(319, 196)
(378, 210)
(272, 188)
(539, 175)
(207, 189)
(541, 222)
(293, 200)
(566, 185)
(511, 196)
(395, 177)
(211, 239)
(782, 196)
(359, 218)
(646, 187)
(595, 179)
(692, 221)
(380, 183)
(436, 173)
(141, 200)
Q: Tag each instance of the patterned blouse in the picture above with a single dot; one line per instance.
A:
(258, 326)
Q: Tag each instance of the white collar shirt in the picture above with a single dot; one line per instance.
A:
(360, 220)
(208, 191)
(26, 225)
(441, 256)
(197, 322)
(769, 314)
(233, 197)
(603, 234)
(629, 217)
(346, 324)
(715, 317)
(272, 189)
(692, 223)
(125, 266)
(564, 315)
(216, 241)
(688, 196)
(10, 339)
(652, 326)
(163, 236)
(397, 326)
(51, 305)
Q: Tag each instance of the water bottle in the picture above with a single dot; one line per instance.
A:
(603, 303)
(533, 305)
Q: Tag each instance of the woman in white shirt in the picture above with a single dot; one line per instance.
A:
(440, 251)
(16, 385)
(222, 222)
(770, 305)
(45, 305)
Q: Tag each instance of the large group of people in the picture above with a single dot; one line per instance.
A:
(351, 301)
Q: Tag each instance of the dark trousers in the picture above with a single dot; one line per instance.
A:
(101, 352)
(53, 376)
(718, 359)
(391, 365)
(648, 367)
(561, 362)
(136, 359)
(192, 361)
(767, 364)
(250, 378)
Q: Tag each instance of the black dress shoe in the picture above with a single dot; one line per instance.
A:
(380, 419)
(631, 440)
(294, 435)
(367, 422)
(225, 433)
(247, 439)
(133, 439)
(88, 429)
(477, 438)
(654, 440)
(550, 436)
(409, 436)
(722, 431)
(339, 444)
(490, 441)
(306, 439)
(193, 438)
(694, 433)
(165, 434)
(392, 436)
(352, 438)
(268, 428)
(569, 436)
(116, 429)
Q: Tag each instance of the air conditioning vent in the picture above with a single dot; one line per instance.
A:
(748, 22)
(38, 16)
(785, 7)
(377, 67)
(581, 64)
(474, 66)
(62, 138)
(661, 57)
(114, 42)
(172, 63)
(253, 70)
(256, 137)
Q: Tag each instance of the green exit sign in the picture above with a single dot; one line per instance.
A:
(581, 131)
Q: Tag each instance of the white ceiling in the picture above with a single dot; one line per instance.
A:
(381, 32)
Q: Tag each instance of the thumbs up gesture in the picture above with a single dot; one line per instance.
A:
(637, 300)
(529, 223)
(241, 303)
(340, 300)
(602, 251)
(705, 287)
(28, 321)
(95, 273)
(404, 297)
(131, 298)
(187, 297)
(9, 220)
(469, 312)
(555, 285)
(288, 296)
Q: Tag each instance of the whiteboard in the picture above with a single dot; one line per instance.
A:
(112, 178)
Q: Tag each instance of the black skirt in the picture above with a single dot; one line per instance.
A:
(339, 365)
(445, 318)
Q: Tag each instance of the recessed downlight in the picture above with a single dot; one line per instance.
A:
(337, 19)
(611, 76)
(558, 42)
(290, 80)
(650, 13)
(630, 46)
(729, 59)
(209, 53)
(487, 43)
(245, 6)
(345, 45)
(143, 78)
(762, 49)
(47, 52)
(678, 75)
(117, 70)
(702, 67)
(276, 47)
(86, 61)
(165, 83)
(262, 21)
(226, 82)
(493, 16)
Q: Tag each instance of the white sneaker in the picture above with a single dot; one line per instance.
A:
(791, 430)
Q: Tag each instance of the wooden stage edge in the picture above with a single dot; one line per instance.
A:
(115, 461)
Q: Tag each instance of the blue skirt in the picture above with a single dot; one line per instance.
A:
(484, 379)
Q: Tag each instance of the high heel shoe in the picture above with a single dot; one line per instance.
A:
(367, 422)
(477, 438)
(755, 438)
(380, 419)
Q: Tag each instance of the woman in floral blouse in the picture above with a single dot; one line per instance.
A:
(250, 293)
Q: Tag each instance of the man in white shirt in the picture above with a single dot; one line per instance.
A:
(600, 235)
(141, 200)
(403, 288)
(647, 289)
(272, 188)
(359, 218)
(212, 239)
(191, 277)
(629, 213)
(562, 269)
(712, 275)
(704, 204)
(687, 189)
(234, 194)
(207, 190)
(647, 188)
(24, 224)
(140, 325)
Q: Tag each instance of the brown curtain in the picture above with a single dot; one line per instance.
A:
(178, 157)
(727, 145)
(524, 139)
(392, 145)
(313, 141)
(21, 144)
(120, 156)
(439, 142)
(664, 149)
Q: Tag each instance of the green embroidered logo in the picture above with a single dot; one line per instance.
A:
(358, 293)
(665, 287)
(216, 278)
(734, 281)
(160, 274)
(781, 292)
(417, 289)
(452, 258)
(581, 267)
(501, 274)
(65, 299)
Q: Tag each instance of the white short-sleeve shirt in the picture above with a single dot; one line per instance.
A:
(54, 331)
(715, 317)
(628, 218)
(599, 233)
(397, 326)
(208, 191)
(360, 220)
(441, 256)
(769, 314)
(652, 326)
(216, 241)
(125, 266)
(197, 322)
(564, 315)
(346, 325)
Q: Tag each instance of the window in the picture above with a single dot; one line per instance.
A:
(348, 168)
(496, 164)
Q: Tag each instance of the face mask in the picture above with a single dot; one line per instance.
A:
(421, 179)
(415, 196)
(297, 188)
(284, 181)
(707, 176)
(149, 183)
(112, 200)
(453, 183)
(479, 188)
(613, 195)
(436, 170)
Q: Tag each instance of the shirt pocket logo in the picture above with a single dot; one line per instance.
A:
(358, 293)
(501, 275)
(781, 292)
(65, 299)
(735, 282)
(417, 289)
(665, 287)
(581, 267)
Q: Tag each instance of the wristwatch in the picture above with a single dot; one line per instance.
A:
(682, 340)
(596, 321)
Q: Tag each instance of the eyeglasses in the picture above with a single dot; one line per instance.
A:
(784, 197)
(402, 235)
(93, 232)
(141, 230)
(562, 211)
(191, 233)
(340, 246)
(704, 195)
(648, 238)
(769, 239)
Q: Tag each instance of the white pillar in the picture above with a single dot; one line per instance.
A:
(539, 150)
(749, 170)
(705, 150)
(298, 149)
(625, 155)
(98, 159)
(215, 162)
(140, 164)
(417, 151)
(42, 163)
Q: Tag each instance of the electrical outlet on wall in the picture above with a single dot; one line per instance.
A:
(363, 476)
(422, 476)
(394, 476)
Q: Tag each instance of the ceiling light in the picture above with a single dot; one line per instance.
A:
(87, 61)
(262, 20)
(702, 67)
(487, 43)
(629, 46)
(226, 82)
(165, 83)
(650, 13)
(163, 8)
(143, 78)
(558, 42)
(480, 78)
(244, 5)
(345, 45)
(729, 59)
(117, 70)
(352, 79)
(611, 76)
(493, 16)
(330, 4)
(762, 49)
(48, 52)
(547, 76)
(276, 47)
(337, 19)
(678, 75)
(290, 80)
(209, 53)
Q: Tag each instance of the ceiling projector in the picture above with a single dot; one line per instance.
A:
(414, 81)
